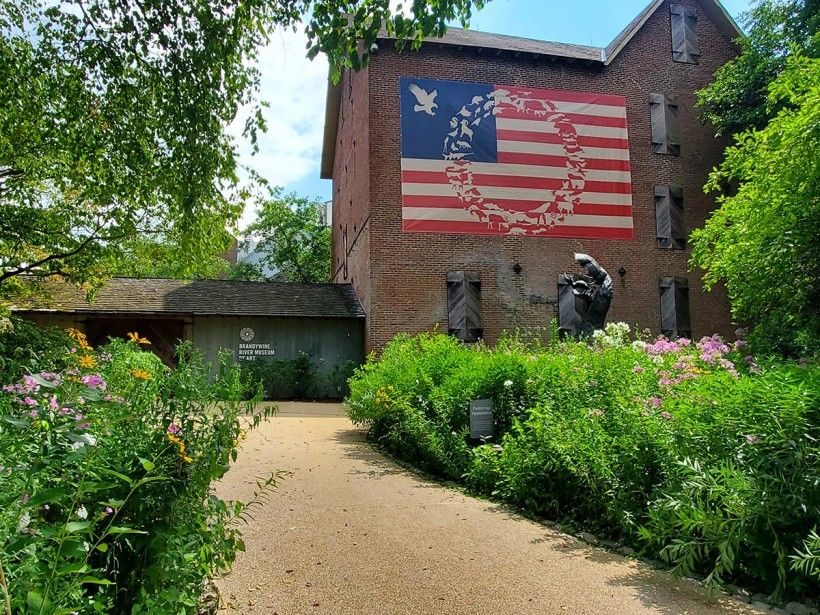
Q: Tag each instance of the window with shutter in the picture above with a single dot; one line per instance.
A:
(671, 230)
(664, 123)
(684, 24)
(675, 320)
(569, 316)
(464, 306)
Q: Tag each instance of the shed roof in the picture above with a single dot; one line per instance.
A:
(460, 38)
(128, 296)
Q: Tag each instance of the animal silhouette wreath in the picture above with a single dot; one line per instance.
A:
(458, 145)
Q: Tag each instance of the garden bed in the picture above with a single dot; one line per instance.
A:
(694, 453)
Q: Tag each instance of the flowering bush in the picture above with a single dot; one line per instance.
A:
(693, 452)
(106, 463)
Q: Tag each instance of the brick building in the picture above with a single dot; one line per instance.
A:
(414, 281)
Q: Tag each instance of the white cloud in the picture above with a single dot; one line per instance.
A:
(295, 88)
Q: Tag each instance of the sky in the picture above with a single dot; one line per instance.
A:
(290, 151)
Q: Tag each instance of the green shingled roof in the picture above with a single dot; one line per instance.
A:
(199, 298)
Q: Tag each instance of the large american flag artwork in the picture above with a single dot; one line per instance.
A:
(503, 160)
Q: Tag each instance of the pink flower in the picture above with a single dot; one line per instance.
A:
(33, 414)
(65, 411)
(29, 401)
(666, 415)
(53, 403)
(30, 384)
(656, 401)
(173, 428)
(82, 426)
(108, 510)
(638, 369)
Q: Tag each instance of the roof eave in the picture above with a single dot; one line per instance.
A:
(332, 104)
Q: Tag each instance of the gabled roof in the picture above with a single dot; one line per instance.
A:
(146, 296)
(460, 38)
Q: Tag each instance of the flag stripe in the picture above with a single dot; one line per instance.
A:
(578, 119)
(542, 125)
(560, 161)
(589, 108)
(576, 97)
(544, 183)
(453, 202)
(552, 137)
(462, 215)
(520, 194)
(515, 170)
(480, 228)
(554, 149)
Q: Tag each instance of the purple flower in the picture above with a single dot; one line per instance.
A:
(666, 415)
(82, 425)
(53, 403)
(638, 369)
(740, 344)
(30, 384)
(173, 428)
(749, 359)
(33, 413)
(79, 417)
(29, 401)
(94, 381)
(65, 411)
(656, 401)
(108, 510)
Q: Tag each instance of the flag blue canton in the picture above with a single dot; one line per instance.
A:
(425, 118)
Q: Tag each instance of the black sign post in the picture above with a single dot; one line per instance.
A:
(481, 419)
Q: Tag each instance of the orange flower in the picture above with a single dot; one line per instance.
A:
(135, 337)
(87, 361)
(140, 374)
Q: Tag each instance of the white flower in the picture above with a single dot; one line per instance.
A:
(508, 383)
(75, 446)
(82, 513)
(24, 522)
(87, 438)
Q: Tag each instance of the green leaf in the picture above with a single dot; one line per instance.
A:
(55, 494)
(74, 568)
(148, 465)
(123, 530)
(73, 527)
(95, 581)
(102, 547)
(118, 475)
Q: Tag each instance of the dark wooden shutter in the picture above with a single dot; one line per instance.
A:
(569, 320)
(684, 23)
(464, 306)
(671, 230)
(675, 318)
(664, 124)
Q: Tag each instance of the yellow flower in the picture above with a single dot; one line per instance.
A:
(135, 337)
(186, 459)
(140, 374)
(87, 361)
(79, 337)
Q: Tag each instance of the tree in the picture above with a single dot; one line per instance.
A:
(764, 240)
(113, 116)
(738, 97)
(162, 257)
(291, 239)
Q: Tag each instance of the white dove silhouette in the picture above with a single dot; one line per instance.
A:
(426, 103)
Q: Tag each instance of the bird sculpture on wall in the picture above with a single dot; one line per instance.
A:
(426, 102)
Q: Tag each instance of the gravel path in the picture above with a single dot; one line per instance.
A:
(351, 532)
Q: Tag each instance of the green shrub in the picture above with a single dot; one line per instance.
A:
(691, 452)
(106, 469)
(25, 347)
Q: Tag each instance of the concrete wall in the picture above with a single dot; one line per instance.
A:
(329, 341)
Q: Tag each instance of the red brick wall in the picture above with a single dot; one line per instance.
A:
(351, 188)
(407, 290)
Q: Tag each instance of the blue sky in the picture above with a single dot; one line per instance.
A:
(290, 151)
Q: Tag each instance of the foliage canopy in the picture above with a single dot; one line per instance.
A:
(763, 241)
(114, 116)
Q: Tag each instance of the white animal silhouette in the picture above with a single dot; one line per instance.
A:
(425, 100)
